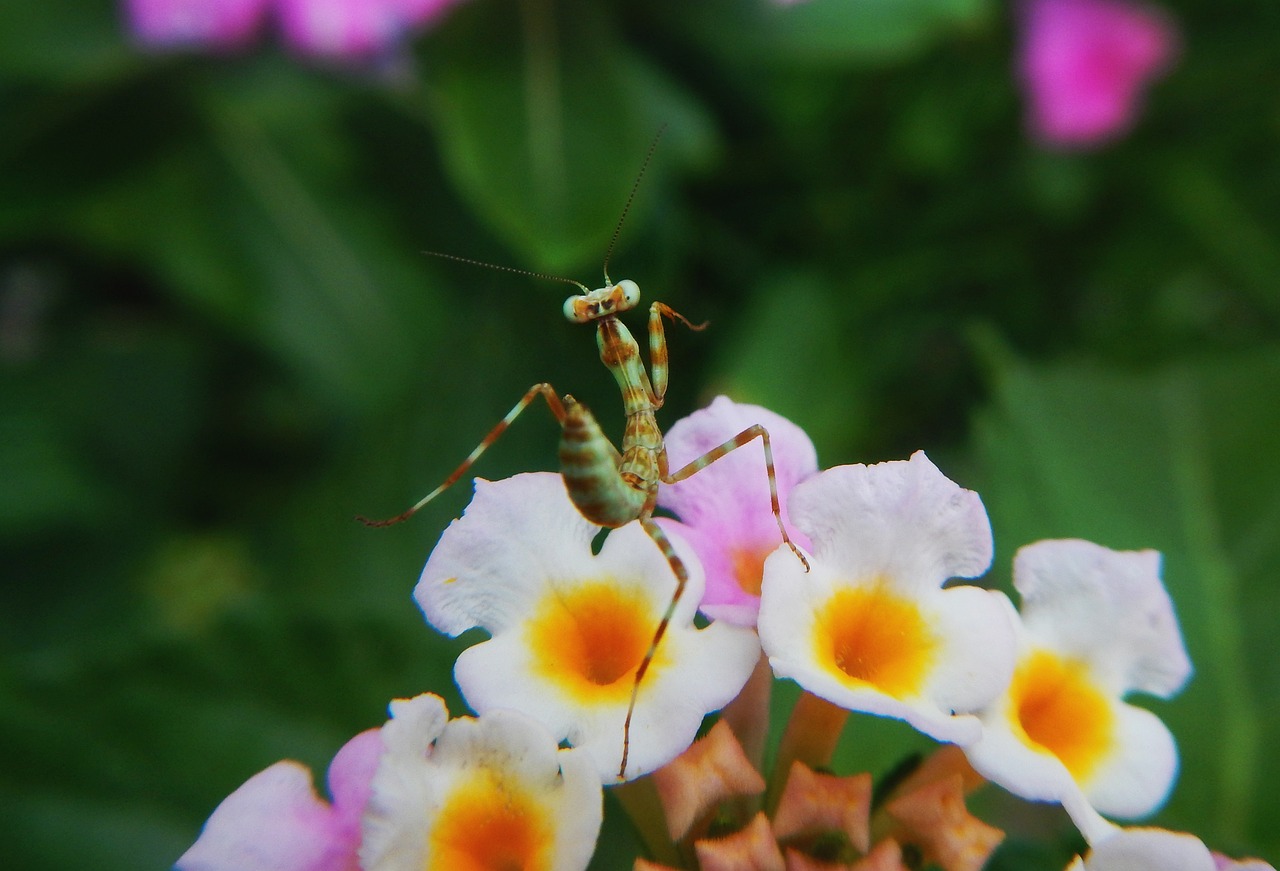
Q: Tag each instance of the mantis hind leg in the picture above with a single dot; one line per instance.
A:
(682, 578)
(553, 402)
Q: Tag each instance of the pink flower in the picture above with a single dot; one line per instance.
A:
(353, 29)
(214, 24)
(1084, 64)
(276, 822)
(724, 509)
(346, 30)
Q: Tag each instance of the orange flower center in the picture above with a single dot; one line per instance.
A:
(872, 637)
(591, 639)
(1057, 709)
(490, 824)
(748, 567)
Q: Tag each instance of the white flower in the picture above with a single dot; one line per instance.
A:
(1097, 624)
(870, 628)
(569, 628)
(492, 792)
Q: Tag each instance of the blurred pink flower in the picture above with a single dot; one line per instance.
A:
(353, 29)
(1084, 64)
(344, 30)
(212, 24)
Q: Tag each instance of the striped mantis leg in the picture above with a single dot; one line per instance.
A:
(553, 402)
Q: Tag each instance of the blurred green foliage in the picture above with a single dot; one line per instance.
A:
(220, 340)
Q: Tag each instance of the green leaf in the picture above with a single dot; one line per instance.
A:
(784, 337)
(546, 130)
(1177, 459)
(63, 40)
(827, 32)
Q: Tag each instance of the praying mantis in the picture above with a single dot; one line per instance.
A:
(612, 487)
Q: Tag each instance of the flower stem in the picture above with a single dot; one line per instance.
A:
(639, 798)
(748, 714)
(810, 737)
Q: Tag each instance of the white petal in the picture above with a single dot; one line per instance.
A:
(971, 666)
(1036, 776)
(700, 670)
(903, 521)
(705, 669)
(1105, 607)
(976, 628)
(502, 748)
(525, 752)
(491, 563)
(398, 785)
(415, 724)
(1149, 850)
(1136, 779)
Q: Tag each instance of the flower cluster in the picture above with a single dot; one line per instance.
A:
(348, 30)
(573, 683)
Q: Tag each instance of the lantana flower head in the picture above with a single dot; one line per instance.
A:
(276, 822)
(570, 627)
(870, 627)
(478, 793)
(1085, 63)
(1096, 625)
(725, 509)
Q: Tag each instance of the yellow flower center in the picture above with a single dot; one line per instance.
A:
(491, 824)
(590, 640)
(1057, 709)
(872, 637)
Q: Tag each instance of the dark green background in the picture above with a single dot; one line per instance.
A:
(220, 341)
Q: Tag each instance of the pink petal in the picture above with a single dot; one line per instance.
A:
(724, 509)
(276, 822)
(351, 779)
(215, 24)
(348, 29)
(1084, 65)
(355, 29)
